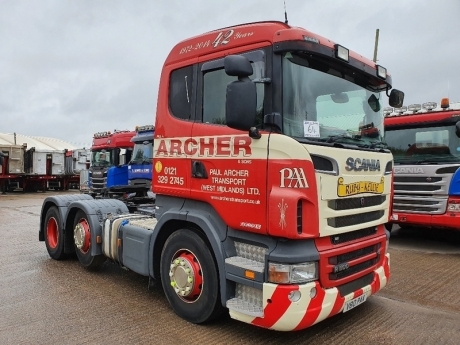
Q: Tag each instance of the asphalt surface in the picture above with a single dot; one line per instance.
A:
(43, 301)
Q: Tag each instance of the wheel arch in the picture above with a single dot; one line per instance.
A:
(61, 202)
(96, 212)
(206, 225)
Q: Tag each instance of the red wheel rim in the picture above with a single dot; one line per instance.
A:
(52, 233)
(186, 276)
(82, 235)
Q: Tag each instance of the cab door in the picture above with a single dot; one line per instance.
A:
(229, 168)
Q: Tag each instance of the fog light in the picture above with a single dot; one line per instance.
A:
(294, 296)
(313, 293)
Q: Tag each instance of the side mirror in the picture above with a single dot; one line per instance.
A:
(457, 129)
(237, 66)
(241, 97)
(240, 105)
(396, 98)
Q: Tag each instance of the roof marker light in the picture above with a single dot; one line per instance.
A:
(414, 107)
(429, 105)
(401, 110)
(381, 72)
(387, 111)
(341, 53)
(445, 103)
(145, 128)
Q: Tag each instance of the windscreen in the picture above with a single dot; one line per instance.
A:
(101, 158)
(427, 145)
(142, 153)
(321, 103)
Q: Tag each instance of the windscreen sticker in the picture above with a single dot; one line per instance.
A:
(311, 129)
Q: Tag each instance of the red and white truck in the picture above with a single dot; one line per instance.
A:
(271, 198)
(425, 142)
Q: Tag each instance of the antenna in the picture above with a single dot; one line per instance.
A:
(376, 46)
(285, 12)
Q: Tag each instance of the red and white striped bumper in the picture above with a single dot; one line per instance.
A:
(283, 315)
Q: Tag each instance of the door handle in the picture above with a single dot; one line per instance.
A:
(199, 170)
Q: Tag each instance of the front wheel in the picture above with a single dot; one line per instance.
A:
(190, 278)
(82, 239)
(54, 234)
(389, 226)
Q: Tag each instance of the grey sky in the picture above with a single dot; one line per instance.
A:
(72, 68)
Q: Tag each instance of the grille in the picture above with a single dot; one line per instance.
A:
(354, 219)
(423, 194)
(421, 188)
(416, 179)
(98, 183)
(353, 269)
(352, 255)
(350, 203)
(353, 235)
(414, 204)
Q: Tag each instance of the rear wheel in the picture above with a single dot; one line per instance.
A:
(83, 244)
(189, 277)
(54, 235)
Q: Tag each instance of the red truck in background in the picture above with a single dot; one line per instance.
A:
(270, 203)
(424, 140)
(110, 153)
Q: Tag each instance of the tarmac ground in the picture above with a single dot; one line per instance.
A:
(44, 301)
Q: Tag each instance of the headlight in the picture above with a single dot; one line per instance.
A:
(292, 273)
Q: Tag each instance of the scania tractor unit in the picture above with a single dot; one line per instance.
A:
(424, 140)
(110, 153)
(140, 166)
(272, 182)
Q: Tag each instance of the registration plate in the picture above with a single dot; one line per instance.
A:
(354, 302)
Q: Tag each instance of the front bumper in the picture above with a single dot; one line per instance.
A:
(283, 315)
(446, 220)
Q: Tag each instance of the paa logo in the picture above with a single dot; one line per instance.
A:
(293, 178)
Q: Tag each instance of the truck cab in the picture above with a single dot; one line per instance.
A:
(110, 153)
(272, 182)
(424, 140)
(140, 166)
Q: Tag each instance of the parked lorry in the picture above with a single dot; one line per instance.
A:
(76, 162)
(12, 167)
(424, 139)
(110, 153)
(140, 166)
(270, 199)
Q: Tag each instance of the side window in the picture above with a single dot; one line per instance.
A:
(214, 93)
(180, 92)
(214, 89)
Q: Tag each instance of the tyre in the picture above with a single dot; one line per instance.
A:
(54, 234)
(389, 226)
(82, 242)
(189, 277)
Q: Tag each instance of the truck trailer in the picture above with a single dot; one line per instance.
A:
(272, 182)
(424, 140)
